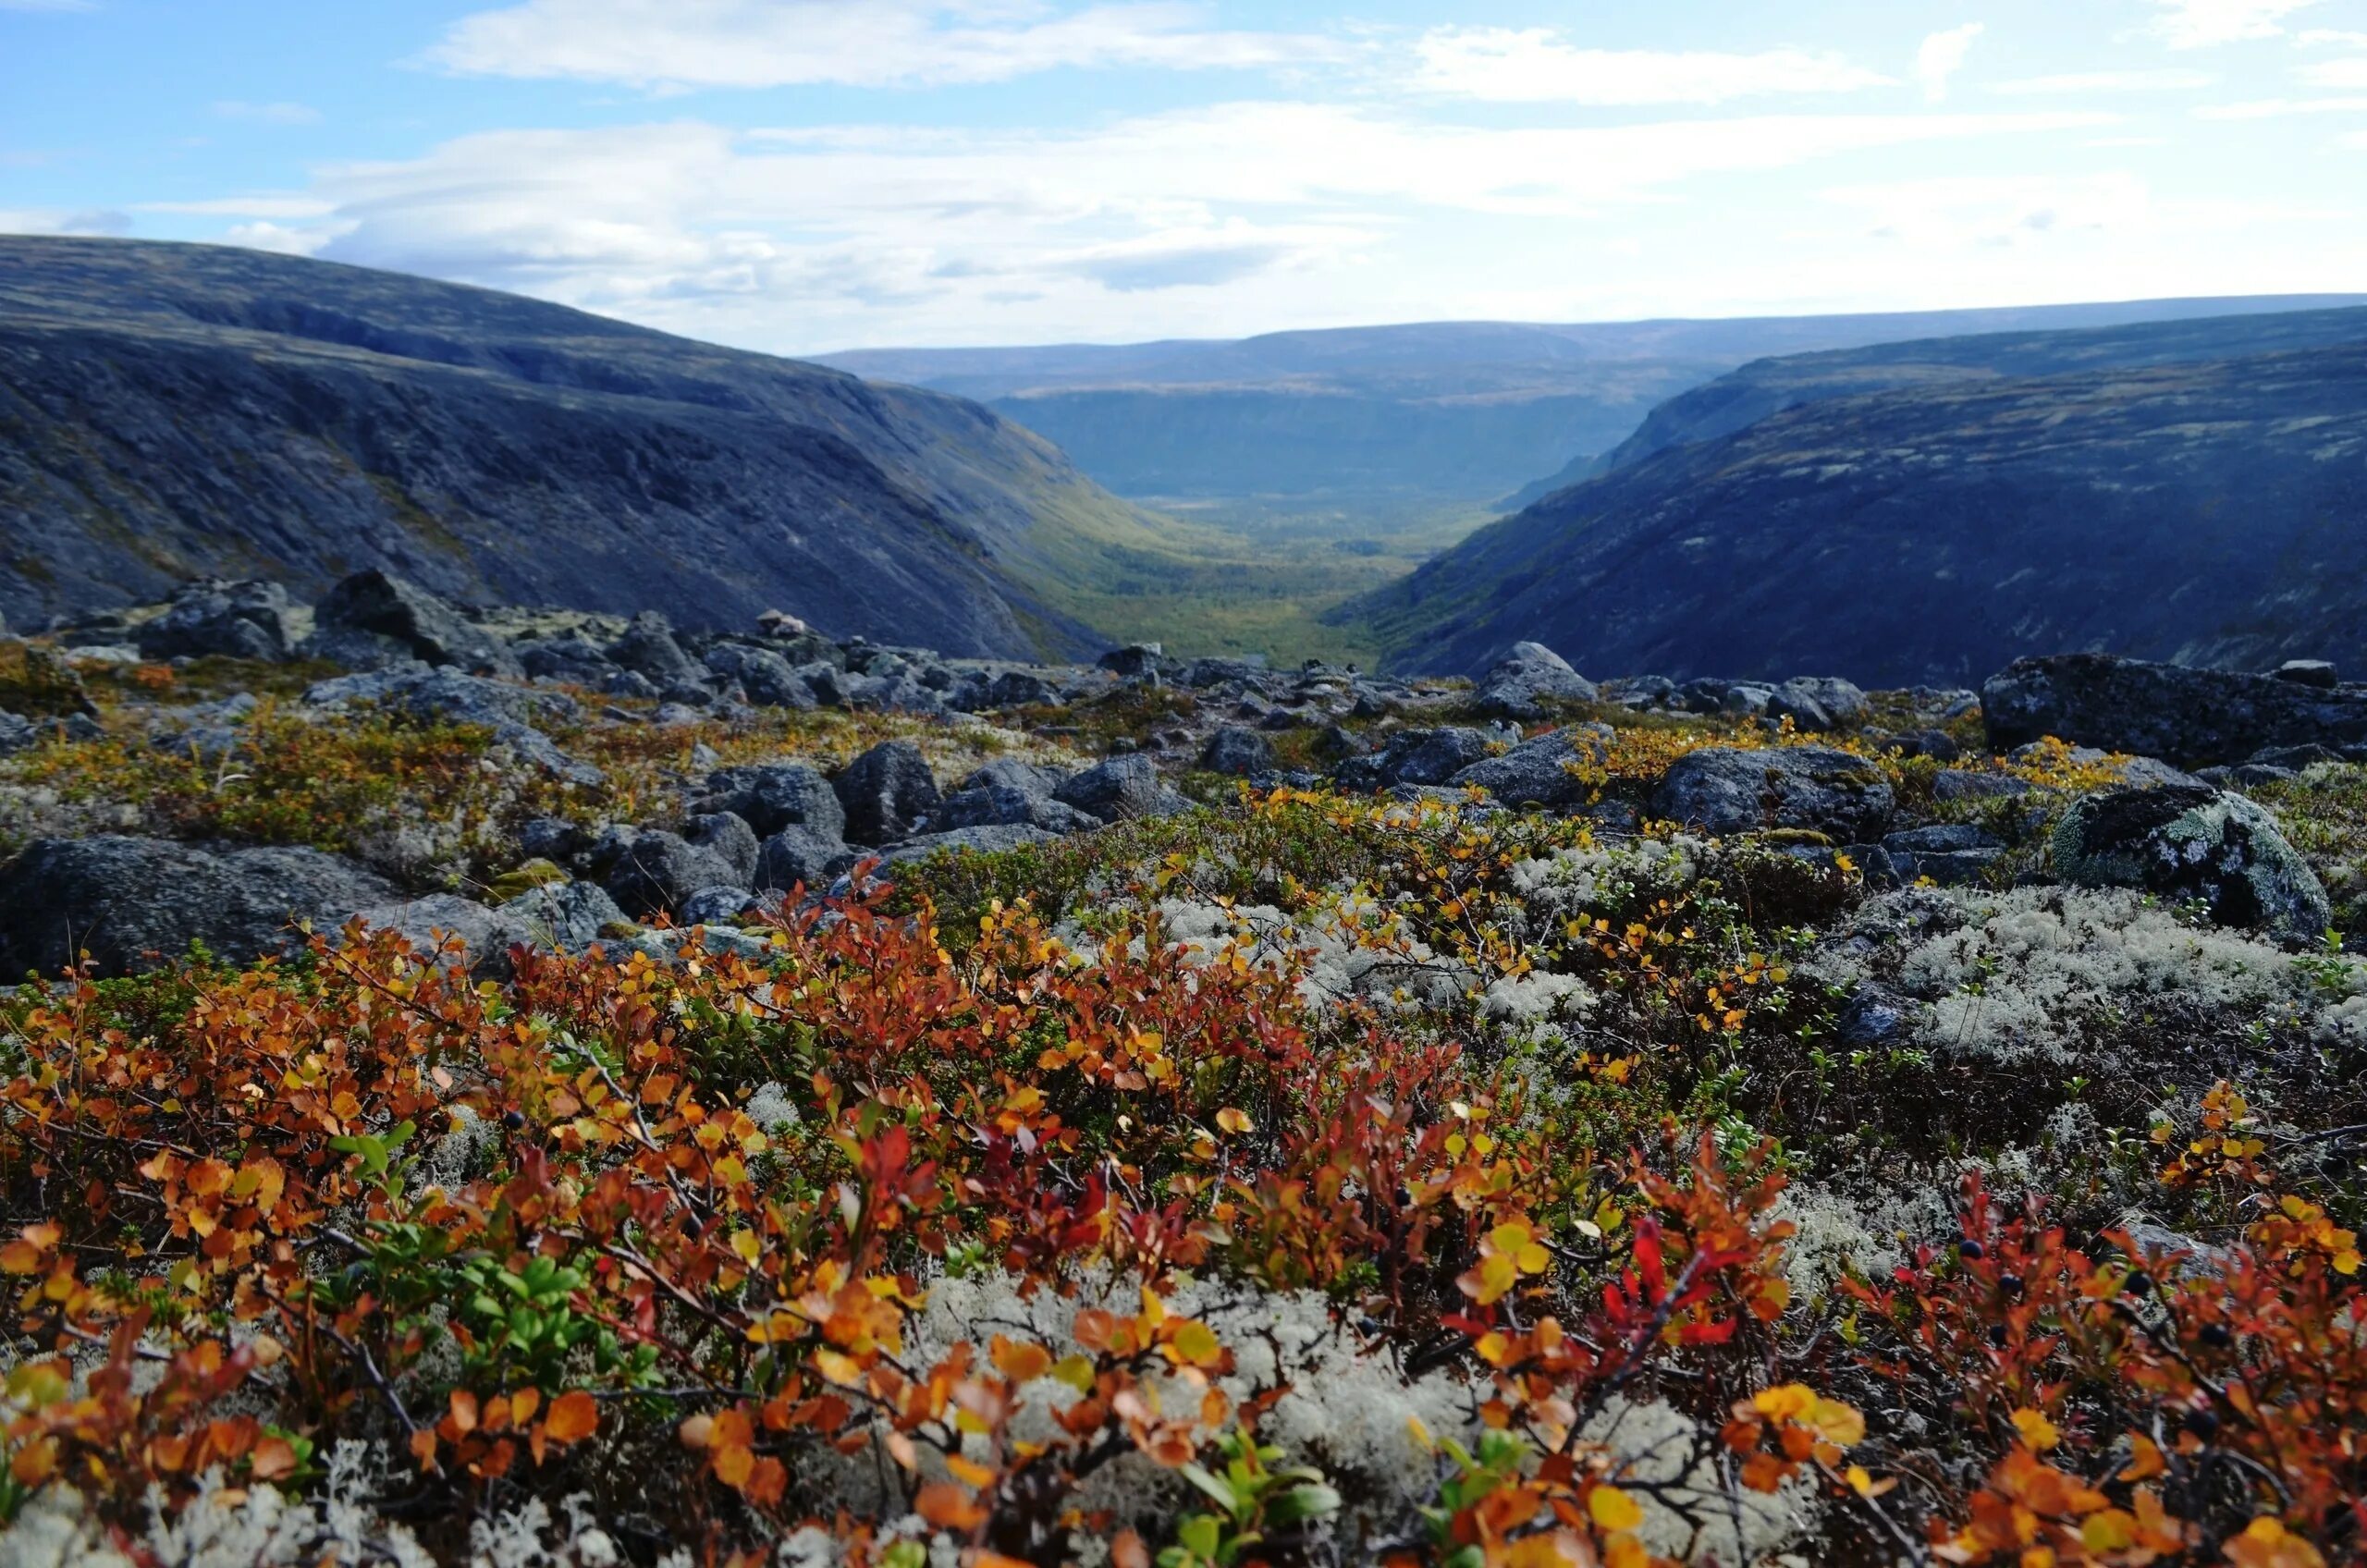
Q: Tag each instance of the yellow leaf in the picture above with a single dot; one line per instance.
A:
(2036, 1429)
(1613, 1509)
(1234, 1122)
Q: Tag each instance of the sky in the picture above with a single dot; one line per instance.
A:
(802, 175)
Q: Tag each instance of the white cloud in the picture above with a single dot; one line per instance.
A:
(51, 220)
(756, 43)
(2273, 108)
(282, 112)
(2341, 75)
(1538, 66)
(2199, 24)
(2322, 38)
(803, 239)
(1941, 56)
(2106, 81)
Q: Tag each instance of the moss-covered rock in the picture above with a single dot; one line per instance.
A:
(2189, 842)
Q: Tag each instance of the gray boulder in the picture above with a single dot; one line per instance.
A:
(1134, 659)
(1951, 854)
(716, 906)
(649, 650)
(1817, 704)
(566, 915)
(1431, 757)
(768, 680)
(651, 872)
(578, 661)
(1811, 788)
(17, 734)
(486, 934)
(242, 621)
(727, 837)
(126, 899)
(1539, 772)
(887, 792)
(2192, 717)
(800, 856)
(1238, 752)
(2189, 842)
(1121, 788)
(1000, 805)
(2309, 672)
(1526, 679)
(379, 605)
(771, 796)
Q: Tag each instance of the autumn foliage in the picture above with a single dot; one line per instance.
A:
(534, 1235)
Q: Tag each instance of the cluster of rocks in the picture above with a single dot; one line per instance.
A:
(746, 838)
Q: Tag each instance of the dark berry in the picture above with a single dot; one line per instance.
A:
(1997, 1336)
(2140, 1285)
(2217, 1335)
(513, 1120)
(2010, 1283)
(1970, 1248)
(2202, 1423)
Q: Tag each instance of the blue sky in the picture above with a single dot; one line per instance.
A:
(807, 175)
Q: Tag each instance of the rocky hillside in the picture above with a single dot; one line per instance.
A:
(1746, 396)
(2208, 512)
(169, 412)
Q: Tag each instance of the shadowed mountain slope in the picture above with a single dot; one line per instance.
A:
(2211, 512)
(173, 411)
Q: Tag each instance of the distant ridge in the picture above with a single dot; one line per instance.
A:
(1452, 416)
(175, 411)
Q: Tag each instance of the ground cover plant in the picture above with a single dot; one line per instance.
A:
(1299, 1178)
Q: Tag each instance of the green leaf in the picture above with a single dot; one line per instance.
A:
(1215, 1487)
(1317, 1501)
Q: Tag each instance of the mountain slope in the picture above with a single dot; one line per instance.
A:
(1395, 419)
(1746, 396)
(2212, 512)
(169, 410)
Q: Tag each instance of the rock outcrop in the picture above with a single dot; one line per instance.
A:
(2192, 717)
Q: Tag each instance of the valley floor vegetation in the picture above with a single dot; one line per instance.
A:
(1300, 1178)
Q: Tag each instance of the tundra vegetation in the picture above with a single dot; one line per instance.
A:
(1292, 1174)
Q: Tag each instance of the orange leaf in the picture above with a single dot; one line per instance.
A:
(574, 1416)
(948, 1507)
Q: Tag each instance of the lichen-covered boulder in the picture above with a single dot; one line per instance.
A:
(1528, 677)
(1815, 788)
(2189, 842)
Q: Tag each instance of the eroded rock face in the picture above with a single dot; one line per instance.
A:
(2190, 842)
(2192, 717)
(1811, 787)
(381, 604)
(124, 899)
